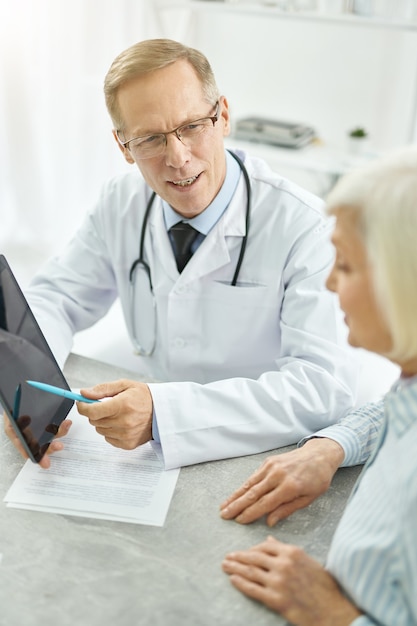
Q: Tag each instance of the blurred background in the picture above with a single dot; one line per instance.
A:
(332, 65)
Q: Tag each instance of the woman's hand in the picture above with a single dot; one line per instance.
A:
(285, 482)
(287, 580)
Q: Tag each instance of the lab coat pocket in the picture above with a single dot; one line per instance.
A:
(251, 295)
(245, 321)
(241, 285)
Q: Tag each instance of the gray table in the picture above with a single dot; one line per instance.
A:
(62, 570)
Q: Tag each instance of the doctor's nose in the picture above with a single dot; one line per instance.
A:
(176, 152)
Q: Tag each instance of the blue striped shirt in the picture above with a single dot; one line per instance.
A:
(357, 432)
(373, 554)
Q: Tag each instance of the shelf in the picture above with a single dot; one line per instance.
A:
(316, 158)
(271, 11)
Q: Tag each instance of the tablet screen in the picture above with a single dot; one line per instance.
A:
(25, 355)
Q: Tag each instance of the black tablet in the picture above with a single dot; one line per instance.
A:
(25, 355)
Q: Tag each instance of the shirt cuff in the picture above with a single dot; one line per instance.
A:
(155, 430)
(345, 438)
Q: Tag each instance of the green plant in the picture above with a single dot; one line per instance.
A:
(358, 132)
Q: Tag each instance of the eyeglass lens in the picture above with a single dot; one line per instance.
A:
(155, 144)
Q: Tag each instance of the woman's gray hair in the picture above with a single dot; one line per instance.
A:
(383, 196)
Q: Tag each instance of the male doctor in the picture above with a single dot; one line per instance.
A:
(249, 346)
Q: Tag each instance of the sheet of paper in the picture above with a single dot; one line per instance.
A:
(91, 478)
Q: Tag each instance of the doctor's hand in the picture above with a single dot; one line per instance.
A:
(290, 582)
(285, 483)
(125, 417)
(54, 446)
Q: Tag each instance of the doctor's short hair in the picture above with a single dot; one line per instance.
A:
(150, 55)
(383, 196)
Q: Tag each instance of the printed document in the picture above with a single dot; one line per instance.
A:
(91, 478)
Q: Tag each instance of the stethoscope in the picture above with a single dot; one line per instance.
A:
(140, 262)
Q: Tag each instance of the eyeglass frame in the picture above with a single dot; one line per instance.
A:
(125, 144)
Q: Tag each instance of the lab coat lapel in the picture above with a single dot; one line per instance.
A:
(225, 236)
(160, 249)
(213, 253)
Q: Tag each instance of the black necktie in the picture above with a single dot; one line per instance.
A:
(183, 236)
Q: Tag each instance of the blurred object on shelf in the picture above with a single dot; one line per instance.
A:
(291, 5)
(276, 132)
(387, 9)
(333, 7)
(363, 7)
(390, 10)
(316, 167)
(358, 141)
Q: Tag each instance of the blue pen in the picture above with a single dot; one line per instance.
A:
(60, 392)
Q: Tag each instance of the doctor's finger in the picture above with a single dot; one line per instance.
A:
(63, 429)
(119, 430)
(106, 410)
(56, 445)
(127, 438)
(107, 389)
(118, 420)
(8, 429)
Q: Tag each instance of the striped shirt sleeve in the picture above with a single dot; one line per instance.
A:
(357, 433)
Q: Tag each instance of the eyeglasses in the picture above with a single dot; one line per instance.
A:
(150, 146)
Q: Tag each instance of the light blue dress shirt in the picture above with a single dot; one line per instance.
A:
(205, 221)
(373, 554)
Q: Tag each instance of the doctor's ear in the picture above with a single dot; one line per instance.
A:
(124, 150)
(225, 115)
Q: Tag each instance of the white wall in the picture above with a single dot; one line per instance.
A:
(332, 76)
(56, 146)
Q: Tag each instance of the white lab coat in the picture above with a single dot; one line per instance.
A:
(248, 368)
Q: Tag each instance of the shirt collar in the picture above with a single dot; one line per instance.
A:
(401, 404)
(403, 381)
(205, 221)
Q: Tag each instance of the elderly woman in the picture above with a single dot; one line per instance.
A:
(371, 572)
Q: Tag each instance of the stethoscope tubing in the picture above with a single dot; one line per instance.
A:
(141, 260)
